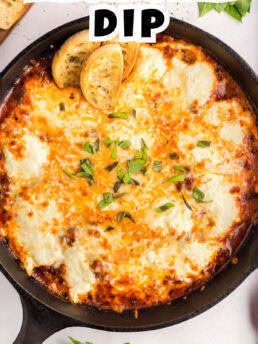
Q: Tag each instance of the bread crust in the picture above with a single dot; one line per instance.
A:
(68, 60)
(101, 76)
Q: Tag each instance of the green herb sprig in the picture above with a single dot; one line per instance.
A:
(199, 196)
(236, 9)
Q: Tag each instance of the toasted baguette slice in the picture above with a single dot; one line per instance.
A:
(10, 12)
(130, 52)
(101, 76)
(68, 60)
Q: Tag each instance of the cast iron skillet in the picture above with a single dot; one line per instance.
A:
(40, 321)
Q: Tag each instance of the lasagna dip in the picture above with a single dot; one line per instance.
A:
(137, 207)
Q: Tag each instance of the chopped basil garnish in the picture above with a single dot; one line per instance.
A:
(117, 186)
(179, 168)
(138, 155)
(68, 174)
(96, 145)
(199, 196)
(124, 144)
(126, 178)
(110, 167)
(134, 182)
(135, 166)
(74, 341)
(203, 144)
(91, 148)
(174, 156)
(120, 173)
(119, 115)
(81, 174)
(61, 107)
(144, 148)
(123, 214)
(164, 207)
(157, 166)
(120, 195)
(186, 203)
(87, 171)
(107, 142)
(87, 166)
(107, 199)
(146, 169)
(109, 229)
(134, 113)
(114, 149)
(177, 178)
(123, 175)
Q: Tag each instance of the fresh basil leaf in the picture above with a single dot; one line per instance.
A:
(157, 166)
(68, 174)
(114, 149)
(179, 168)
(123, 214)
(164, 207)
(177, 178)
(205, 7)
(233, 12)
(243, 6)
(117, 186)
(110, 167)
(120, 173)
(96, 145)
(138, 155)
(61, 107)
(120, 195)
(124, 144)
(199, 196)
(107, 199)
(127, 178)
(174, 156)
(134, 182)
(109, 229)
(87, 167)
(135, 166)
(81, 174)
(91, 180)
(74, 341)
(203, 144)
(91, 148)
(88, 148)
(147, 169)
(219, 7)
(107, 142)
(186, 203)
(119, 115)
(144, 148)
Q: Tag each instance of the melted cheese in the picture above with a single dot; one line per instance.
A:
(54, 220)
(34, 156)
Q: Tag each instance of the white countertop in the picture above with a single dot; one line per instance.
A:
(233, 320)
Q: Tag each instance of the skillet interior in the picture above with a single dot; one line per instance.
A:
(223, 283)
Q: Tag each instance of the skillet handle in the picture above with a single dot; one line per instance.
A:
(39, 322)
